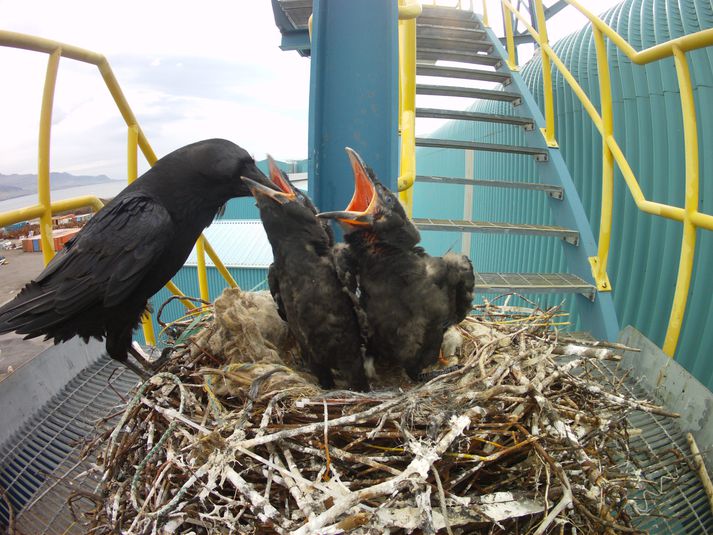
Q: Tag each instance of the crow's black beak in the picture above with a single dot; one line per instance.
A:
(258, 190)
(360, 211)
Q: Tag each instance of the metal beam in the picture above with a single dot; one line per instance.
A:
(353, 95)
(298, 40)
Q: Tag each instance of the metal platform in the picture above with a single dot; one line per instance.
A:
(533, 283)
(571, 236)
(539, 154)
(555, 192)
(468, 92)
(423, 69)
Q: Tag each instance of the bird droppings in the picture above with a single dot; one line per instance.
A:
(234, 436)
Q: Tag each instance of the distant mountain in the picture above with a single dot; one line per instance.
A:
(18, 185)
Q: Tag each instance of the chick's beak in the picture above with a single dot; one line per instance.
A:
(278, 178)
(360, 210)
(259, 190)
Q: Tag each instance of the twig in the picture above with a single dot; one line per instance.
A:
(701, 466)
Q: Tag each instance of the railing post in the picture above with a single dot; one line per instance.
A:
(132, 173)
(43, 157)
(510, 38)
(549, 130)
(407, 104)
(599, 262)
(688, 243)
(485, 13)
(202, 273)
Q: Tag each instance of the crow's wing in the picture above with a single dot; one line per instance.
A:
(453, 273)
(274, 284)
(100, 266)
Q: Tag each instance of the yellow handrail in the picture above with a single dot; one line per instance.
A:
(136, 139)
(408, 12)
(611, 152)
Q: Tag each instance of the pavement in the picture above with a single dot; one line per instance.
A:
(20, 268)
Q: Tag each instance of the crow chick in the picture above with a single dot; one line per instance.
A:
(304, 281)
(410, 298)
(98, 285)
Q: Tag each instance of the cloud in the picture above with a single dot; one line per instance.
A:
(188, 71)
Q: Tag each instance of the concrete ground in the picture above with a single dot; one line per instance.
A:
(19, 269)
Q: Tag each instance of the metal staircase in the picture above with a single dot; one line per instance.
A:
(453, 35)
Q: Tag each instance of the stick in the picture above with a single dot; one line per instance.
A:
(702, 472)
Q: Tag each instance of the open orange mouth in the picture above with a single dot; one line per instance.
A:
(361, 208)
(278, 178)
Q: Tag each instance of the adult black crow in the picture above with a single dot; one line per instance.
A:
(97, 286)
(304, 281)
(410, 298)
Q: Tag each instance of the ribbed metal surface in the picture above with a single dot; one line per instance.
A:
(239, 244)
(645, 250)
(40, 467)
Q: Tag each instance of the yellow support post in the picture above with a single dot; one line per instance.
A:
(202, 274)
(549, 131)
(688, 244)
(43, 157)
(599, 262)
(407, 101)
(132, 173)
(509, 37)
(175, 290)
(485, 14)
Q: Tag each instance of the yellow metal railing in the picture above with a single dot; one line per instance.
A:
(612, 153)
(135, 140)
(408, 11)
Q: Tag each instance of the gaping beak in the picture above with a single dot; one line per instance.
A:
(278, 178)
(361, 208)
(258, 189)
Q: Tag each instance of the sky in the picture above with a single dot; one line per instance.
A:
(189, 70)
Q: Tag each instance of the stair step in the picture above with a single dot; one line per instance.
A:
(469, 92)
(432, 113)
(455, 44)
(434, 54)
(444, 16)
(533, 283)
(540, 154)
(554, 191)
(463, 73)
(457, 225)
(430, 31)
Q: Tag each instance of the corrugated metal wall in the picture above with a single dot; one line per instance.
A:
(648, 125)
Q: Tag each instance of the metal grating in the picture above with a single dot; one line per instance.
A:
(40, 466)
(533, 283)
(457, 225)
(673, 501)
(43, 468)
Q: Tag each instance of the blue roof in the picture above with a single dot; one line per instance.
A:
(239, 243)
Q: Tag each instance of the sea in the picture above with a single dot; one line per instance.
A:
(102, 190)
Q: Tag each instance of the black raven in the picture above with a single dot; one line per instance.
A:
(98, 285)
(410, 297)
(304, 282)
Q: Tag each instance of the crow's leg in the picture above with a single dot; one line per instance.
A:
(324, 376)
(134, 368)
(140, 355)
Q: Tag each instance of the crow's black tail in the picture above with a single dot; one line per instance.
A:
(32, 312)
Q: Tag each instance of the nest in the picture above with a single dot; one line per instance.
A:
(524, 437)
